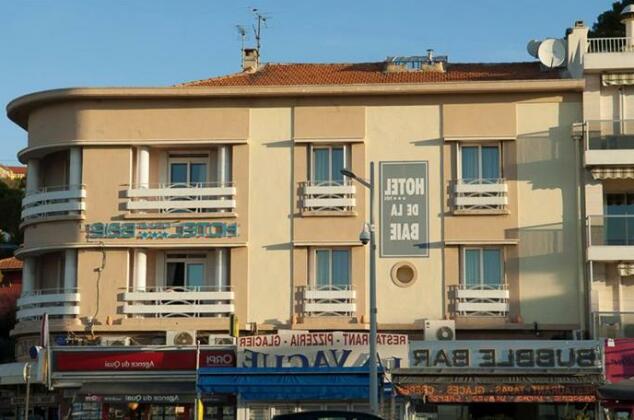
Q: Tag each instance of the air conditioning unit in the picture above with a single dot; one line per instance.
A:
(115, 340)
(221, 340)
(180, 338)
(440, 330)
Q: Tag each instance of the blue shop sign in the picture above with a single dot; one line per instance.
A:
(161, 230)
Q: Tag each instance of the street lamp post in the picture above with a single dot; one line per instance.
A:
(374, 384)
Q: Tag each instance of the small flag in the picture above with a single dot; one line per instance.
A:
(44, 332)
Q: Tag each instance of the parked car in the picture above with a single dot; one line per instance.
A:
(327, 415)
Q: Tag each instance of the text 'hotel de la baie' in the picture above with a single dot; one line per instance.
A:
(202, 240)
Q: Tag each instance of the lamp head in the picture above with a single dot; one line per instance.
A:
(348, 173)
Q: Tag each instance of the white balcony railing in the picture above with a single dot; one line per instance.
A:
(480, 194)
(54, 201)
(329, 301)
(481, 300)
(192, 301)
(328, 196)
(62, 303)
(182, 198)
(610, 45)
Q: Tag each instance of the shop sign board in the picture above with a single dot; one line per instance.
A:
(140, 360)
(506, 354)
(404, 209)
(500, 393)
(619, 359)
(320, 350)
(161, 230)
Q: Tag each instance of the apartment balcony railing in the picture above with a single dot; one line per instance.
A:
(610, 238)
(59, 200)
(609, 143)
(611, 230)
(329, 301)
(62, 303)
(609, 324)
(480, 301)
(182, 198)
(486, 194)
(328, 196)
(190, 301)
(610, 45)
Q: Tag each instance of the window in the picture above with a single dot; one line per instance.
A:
(332, 268)
(482, 267)
(327, 163)
(480, 163)
(188, 170)
(619, 222)
(184, 270)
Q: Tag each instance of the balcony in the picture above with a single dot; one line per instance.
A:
(609, 144)
(329, 301)
(62, 303)
(199, 198)
(191, 302)
(480, 301)
(609, 54)
(327, 197)
(61, 200)
(480, 196)
(613, 324)
(610, 238)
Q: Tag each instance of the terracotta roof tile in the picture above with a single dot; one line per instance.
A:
(372, 73)
(11, 263)
(20, 170)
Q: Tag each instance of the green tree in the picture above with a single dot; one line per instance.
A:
(608, 23)
(10, 208)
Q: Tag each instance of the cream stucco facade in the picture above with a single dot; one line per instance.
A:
(125, 239)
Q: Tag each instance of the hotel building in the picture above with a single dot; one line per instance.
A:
(156, 216)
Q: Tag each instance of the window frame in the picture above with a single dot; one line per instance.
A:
(313, 266)
(481, 283)
(189, 258)
(188, 159)
(479, 145)
(329, 147)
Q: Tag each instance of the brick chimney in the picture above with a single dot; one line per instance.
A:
(250, 59)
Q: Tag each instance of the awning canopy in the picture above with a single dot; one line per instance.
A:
(499, 388)
(612, 173)
(287, 383)
(617, 79)
(623, 391)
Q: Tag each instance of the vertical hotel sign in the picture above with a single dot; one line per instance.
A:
(404, 209)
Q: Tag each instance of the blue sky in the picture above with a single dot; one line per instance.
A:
(47, 44)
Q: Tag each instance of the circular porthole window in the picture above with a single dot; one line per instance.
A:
(403, 274)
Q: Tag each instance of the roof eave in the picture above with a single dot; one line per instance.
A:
(18, 109)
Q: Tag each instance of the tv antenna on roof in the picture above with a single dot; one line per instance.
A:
(242, 33)
(257, 28)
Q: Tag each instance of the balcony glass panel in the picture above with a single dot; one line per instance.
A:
(612, 230)
(610, 134)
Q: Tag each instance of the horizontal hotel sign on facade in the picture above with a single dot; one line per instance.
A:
(492, 354)
(161, 230)
(404, 209)
(319, 350)
(140, 360)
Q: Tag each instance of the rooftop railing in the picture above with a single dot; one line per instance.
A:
(610, 45)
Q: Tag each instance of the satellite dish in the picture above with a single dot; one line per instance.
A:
(552, 52)
(532, 47)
